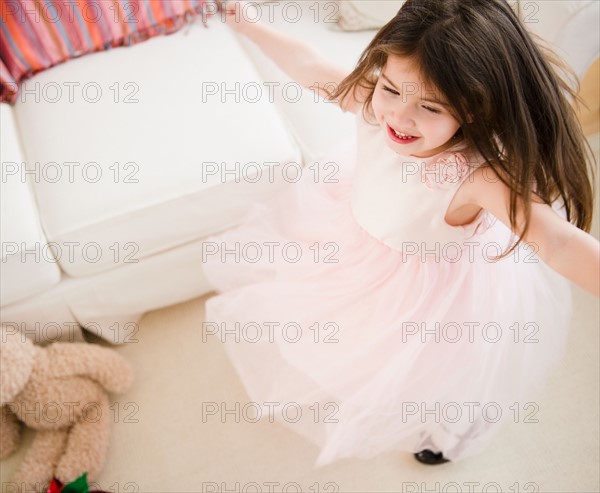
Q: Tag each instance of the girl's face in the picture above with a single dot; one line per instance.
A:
(416, 121)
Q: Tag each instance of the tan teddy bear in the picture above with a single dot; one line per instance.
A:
(61, 391)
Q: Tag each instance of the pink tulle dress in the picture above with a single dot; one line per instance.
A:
(357, 317)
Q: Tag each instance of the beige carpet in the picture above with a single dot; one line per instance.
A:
(160, 444)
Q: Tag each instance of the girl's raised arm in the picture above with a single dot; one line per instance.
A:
(297, 59)
(569, 250)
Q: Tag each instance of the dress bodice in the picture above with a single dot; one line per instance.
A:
(402, 199)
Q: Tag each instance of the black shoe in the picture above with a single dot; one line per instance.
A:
(430, 458)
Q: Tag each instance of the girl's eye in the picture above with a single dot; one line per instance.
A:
(386, 88)
(429, 108)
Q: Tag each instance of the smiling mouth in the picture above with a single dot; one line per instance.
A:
(401, 137)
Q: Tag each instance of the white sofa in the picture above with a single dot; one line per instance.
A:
(108, 190)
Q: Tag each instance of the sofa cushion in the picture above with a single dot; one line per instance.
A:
(142, 157)
(39, 35)
(28, 265)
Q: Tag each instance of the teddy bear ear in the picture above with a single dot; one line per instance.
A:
(17, 355)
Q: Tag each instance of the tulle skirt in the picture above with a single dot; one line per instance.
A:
(364, 349)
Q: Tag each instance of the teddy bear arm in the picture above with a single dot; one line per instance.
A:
(103, 365)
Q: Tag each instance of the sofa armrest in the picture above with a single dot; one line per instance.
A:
(28, 265)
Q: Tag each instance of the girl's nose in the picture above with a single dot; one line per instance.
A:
(403, 116)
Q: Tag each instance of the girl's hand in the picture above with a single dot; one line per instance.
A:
(237, 13)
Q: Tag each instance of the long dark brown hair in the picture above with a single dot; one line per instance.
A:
(513, 97)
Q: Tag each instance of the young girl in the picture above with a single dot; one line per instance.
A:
(392, 308)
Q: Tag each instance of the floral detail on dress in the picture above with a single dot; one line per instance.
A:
(446, 172)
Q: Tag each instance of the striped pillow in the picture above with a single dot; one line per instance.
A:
(38, 34)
